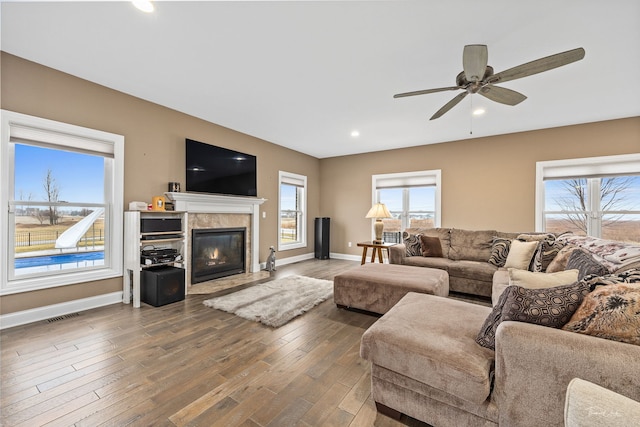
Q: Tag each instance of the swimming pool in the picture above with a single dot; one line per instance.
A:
(78, 259)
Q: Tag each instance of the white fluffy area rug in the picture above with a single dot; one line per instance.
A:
(276, 302)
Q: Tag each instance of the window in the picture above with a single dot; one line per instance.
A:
(63, 186)
(293, 208)
(598, 196)
(413, 199)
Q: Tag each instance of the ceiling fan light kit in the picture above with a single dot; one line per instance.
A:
(478, 77)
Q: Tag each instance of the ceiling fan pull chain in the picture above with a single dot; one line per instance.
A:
(471, 116)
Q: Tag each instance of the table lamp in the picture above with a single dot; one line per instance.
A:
(378, 211)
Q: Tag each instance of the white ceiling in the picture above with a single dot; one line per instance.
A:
(305, 74)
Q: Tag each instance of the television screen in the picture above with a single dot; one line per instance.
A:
(218, 170)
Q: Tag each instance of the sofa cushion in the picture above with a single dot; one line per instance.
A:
(585, 264)
(432, 262)
(551, 307)
(431, 339)
(471, 245)
(520, 254)
(611, 312)
(478, 270)
(499, 251)
(431, 246)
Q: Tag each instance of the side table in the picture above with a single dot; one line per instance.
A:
(377, 248)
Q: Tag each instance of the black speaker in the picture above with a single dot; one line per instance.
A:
(161, 285)
(322, 238)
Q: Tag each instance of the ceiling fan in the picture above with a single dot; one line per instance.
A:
(478, 77)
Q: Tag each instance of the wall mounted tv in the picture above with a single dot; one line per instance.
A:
(218, 170)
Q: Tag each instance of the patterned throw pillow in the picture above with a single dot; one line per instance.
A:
(431, 246)
(585, 264)
(499, 251)
(611, 312)
(413, 245)
(551, 307)
(627, 276)
(547, 251)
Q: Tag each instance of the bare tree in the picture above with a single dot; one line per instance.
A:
(52, 192)
(575, 204)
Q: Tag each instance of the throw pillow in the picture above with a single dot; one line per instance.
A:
(520, 254)
(559, 263)
(430, 246)
(547, 251)
(611, 312)
(412, 245)
(627, 276)
(552, 307)
(499, 251)
(534, 280)
(585, 264)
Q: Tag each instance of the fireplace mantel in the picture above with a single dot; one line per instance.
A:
(220, 204)
(215, 203)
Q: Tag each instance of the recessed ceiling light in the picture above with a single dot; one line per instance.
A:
(478, 111)
(355, 134)
(143, 5)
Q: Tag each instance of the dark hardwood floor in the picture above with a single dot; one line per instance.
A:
(188, 365)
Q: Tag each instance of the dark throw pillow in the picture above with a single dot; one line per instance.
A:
(611, 312)
(413, 245)
(430, 246)
(552, 307)
(499, 251)
(585, 264)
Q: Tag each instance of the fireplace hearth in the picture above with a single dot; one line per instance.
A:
(217, 252)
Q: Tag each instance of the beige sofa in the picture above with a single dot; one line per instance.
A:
(465, 255)
(426, 360)
(425, 363)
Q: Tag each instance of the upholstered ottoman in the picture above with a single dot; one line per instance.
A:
(378, 287)
(425, 362)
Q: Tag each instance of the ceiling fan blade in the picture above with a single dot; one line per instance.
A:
(502, 95)
(538, 66)
(449, 105)
(424, 92)
(474, 61)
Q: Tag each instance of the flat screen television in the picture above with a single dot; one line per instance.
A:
(218, 170)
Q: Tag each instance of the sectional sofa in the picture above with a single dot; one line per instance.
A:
(450, 363)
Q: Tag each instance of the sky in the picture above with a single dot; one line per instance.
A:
(420, 198)
(79, 176)
(555, 191)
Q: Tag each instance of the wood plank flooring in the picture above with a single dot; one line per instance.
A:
(188, 365)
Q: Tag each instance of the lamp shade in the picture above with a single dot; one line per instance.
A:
(379, 210)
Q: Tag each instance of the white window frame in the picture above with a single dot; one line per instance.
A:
(57, 134)
(587, 167)
(406, 180)
(301, 181)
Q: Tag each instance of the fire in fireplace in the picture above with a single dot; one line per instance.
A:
(217, 252)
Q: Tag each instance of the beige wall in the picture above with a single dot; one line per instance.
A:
(154, 153)
(487, 183)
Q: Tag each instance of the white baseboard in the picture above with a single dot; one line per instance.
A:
(291, 260)
(346, 257)
(47, 312)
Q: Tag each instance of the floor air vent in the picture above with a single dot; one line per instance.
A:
(66, 316)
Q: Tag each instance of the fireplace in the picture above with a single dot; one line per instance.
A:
(217, 252)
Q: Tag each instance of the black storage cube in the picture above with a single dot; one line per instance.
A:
(322, 238)
(161, 285)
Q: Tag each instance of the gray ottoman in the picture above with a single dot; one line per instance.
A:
(378, 287)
